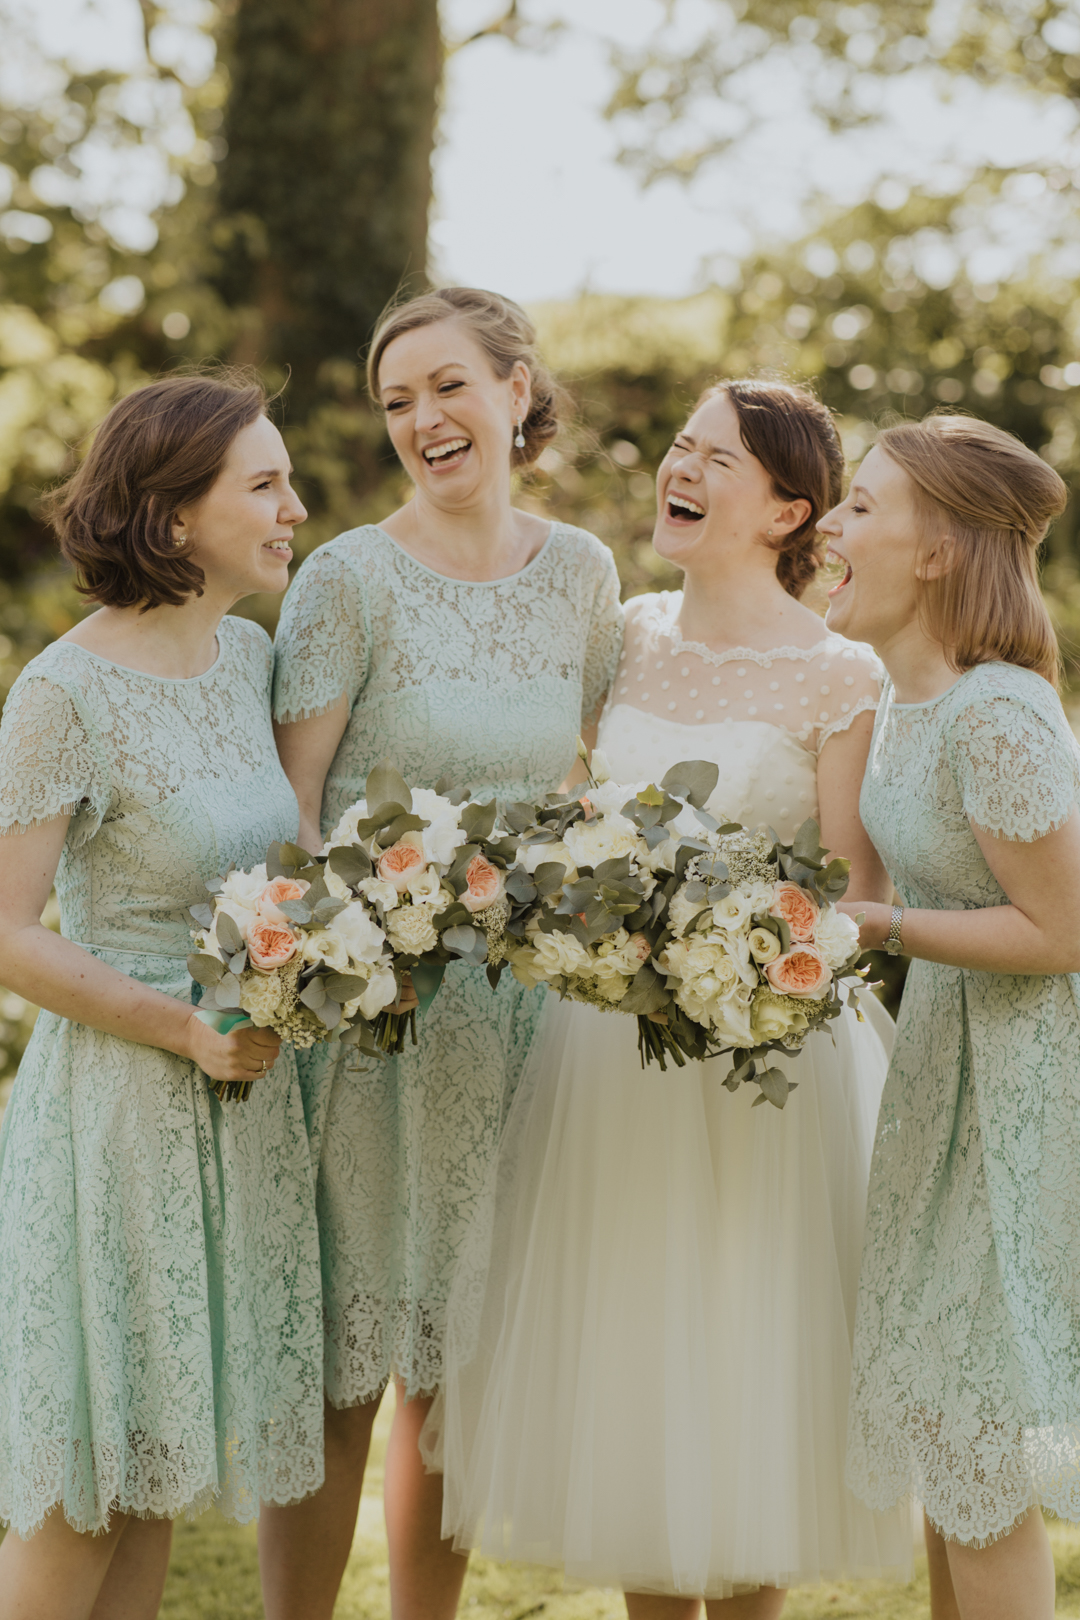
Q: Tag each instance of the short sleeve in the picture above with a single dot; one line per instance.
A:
(1017, 766)
(50, 763)
(843, 684)
(604, 648)
(321, 649)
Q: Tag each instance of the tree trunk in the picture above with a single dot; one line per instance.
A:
(324, 191)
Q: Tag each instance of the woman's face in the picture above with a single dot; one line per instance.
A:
(875, 533)
(451, 420)
(711, 493)
(241, 530)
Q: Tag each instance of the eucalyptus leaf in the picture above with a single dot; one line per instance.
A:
(313, 994)
(520, 886)
(203, 915)
(478, 820)
(227, 991)
(316, 889)
(651, 796)
(616, 869)
(330, 1013)
(463, 941)
(294, 856)
(444, 785)
(697, 779)
(229, 936)
(518, 816)
(328, 909)
(297, 911)
(806, 845)
(710, 823)
(549, 876)
(647, 992)
(401, 824)
(342, 987)
(648, 815)
(205, 970)
(774, 1086)
(238, 963)
(350, 864)
(385, 785)
(274, 866)
(215, 885)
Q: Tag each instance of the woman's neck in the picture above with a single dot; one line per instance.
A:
(917, 666)
(488, 539)
(744, 608)
(175, 642)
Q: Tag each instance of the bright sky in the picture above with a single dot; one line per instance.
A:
(529, 197)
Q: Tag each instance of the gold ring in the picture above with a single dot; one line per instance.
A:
(264, 1065)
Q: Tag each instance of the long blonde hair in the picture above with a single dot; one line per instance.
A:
(989, 501)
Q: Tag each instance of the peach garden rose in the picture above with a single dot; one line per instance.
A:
(279, 889)
(486, 884)
(798, 909)
(270, 945)
(802, 971)
(402, 861)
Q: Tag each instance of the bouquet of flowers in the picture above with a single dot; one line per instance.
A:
(275, 945)
(433, 866)
(716, 938)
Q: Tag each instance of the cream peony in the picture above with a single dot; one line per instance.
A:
(359, 933)
(443, 836)
(591, 842)
(410, 929)
(379, 892)
(837, 937)
(559, 954)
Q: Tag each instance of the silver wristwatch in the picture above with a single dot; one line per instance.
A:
(893, 943)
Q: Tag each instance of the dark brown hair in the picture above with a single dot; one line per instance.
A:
(159, 449)
(506, 335)
(794, 437)
(988, 500)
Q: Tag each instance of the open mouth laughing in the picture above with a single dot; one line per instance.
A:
(681, 509)
(450, 453)
(836, 560)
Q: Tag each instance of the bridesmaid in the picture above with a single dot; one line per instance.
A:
(966, 1379)
(468, 637)
(159, 1273)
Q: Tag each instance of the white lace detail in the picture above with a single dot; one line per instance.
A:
(811, 692)
(160, 1342)
(966, 1378)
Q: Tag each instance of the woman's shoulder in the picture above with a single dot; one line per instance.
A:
(998, 686)
(350, 551)
(64, 665)
(856, 657)
(245, 640)
(580, 546)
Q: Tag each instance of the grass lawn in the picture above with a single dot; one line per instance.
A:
(214, 1576)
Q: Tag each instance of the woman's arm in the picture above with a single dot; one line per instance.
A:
(841, 765)
(1037, 932)
(306, 749)
(54, 973)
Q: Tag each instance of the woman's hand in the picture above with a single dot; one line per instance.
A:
(408, 1001)
(242, 1054)
(876, 921)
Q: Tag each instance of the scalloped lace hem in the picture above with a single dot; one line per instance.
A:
(291, 717)
(864, 705)
(368, 1345)
(665, 621)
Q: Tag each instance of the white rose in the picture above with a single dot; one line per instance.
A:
(836, 937)
(734, 911)
(681, 911)
(426, 885)
(560, 954)
(443, 836)
(325, 949)
(260, 997)
(764, 945)
(345, 831)
(381, 992)
(243, 889)
(410, 929)
(591, 842)
(336, 887)
(379, 892)
(771, 1019)
(358, 932)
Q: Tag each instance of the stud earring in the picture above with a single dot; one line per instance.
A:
(519, 442)
(770, 534)
(181, 540)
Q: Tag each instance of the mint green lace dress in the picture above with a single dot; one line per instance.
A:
(966, 1376)
(160, 1328)
(486, 682)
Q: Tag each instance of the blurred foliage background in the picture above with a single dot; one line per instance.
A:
(253, 183)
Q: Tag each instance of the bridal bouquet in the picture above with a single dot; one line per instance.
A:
(434, 867)
(282, 947)
(717, 938)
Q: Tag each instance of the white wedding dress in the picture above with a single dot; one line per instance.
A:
(649, 1336)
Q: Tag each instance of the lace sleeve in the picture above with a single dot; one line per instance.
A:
(50, 763)
(1015, 765)
(323, 637)
(605, 639)
(852, 687)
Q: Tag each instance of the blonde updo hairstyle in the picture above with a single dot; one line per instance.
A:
(989, 501)
(506, 335)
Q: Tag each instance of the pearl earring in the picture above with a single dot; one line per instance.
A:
(181, 540)
(770, 534)
(519, 442)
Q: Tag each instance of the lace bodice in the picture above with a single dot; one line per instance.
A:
(966, 1382)
(487, 681)
(744, 709)
(166, 781)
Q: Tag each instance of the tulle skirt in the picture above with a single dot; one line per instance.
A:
(649, 1336)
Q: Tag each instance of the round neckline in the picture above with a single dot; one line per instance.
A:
(753, 655)
(928, 703)
(145, 674)
(451, 579)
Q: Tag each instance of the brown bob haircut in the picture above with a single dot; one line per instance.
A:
(989, 500)
(158, 450)
(506, 335)
(794, 437)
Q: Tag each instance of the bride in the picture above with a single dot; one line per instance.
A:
(649, 1337)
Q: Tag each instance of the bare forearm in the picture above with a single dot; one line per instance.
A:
(996, 939)
(54, 973)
